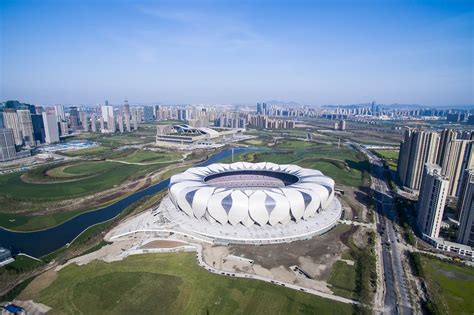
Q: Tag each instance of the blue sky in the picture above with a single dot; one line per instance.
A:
(312, 52)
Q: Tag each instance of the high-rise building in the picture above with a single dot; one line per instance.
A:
(156, 112)
(38, 127)
(446, 136)
(24, 118)
(432, 200)
(466, 208)
(259, 109)
(50, 127)
(418, 148)
(120, 123)
(64, 128)
(127, 123)
(148, 114)
(108, 115)
(59, 112)
(126, 108)
(94, 122)
(458, 156)
(84, 122)
(11, 121)
(134, 114)
(74, 118)
(7, 145)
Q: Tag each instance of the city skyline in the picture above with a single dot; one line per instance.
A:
(311, 53)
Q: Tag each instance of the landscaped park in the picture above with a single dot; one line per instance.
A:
(171, 284)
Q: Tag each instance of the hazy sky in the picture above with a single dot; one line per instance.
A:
(313, 52)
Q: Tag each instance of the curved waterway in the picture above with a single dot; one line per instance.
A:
(40, 243)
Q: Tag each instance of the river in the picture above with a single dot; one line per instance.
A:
(40, 243)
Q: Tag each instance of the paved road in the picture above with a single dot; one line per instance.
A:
(396, 298)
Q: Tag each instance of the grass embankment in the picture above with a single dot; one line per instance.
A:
(450, 286)
(356, 281)
(172, 284)
(345, 165)
(389, 156)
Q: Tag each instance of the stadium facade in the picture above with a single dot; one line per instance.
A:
(251, 194)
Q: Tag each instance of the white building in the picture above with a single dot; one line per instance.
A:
(50, 127)
(432, 200)
(108, 116)
(59, 112)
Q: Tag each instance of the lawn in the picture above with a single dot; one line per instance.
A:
(96, 150)
(345, 165)
(95, 176)
(172, 284)
(343, 279)
(148, 156)
(451, 287)
(388, 154)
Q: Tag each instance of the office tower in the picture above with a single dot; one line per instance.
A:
(106, 103)
(120, 123)
(38, 127)
(148, 114)
(432, 199)
(466, 208)
(59, 112)
(7, 145)
(417, 148)
(457, 158)
(50, 127)
(24, 118)
(259, 109)
(264, 108)
(11, 121)
(94, 122)
(373, 108)
(73, 118)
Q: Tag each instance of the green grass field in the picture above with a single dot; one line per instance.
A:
(172, 284)
(77, 179)
(345, 165)
(85, 152)
(343, 279)
(388, 154)
(148, 156)
(450, 286)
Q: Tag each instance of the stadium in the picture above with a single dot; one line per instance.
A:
(252, 202)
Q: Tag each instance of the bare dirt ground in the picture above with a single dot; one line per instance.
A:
(315, 256)
(44, 280)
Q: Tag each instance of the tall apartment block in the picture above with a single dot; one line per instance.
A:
(26, 125)
(466, 209)
(10, 119)
(432, 199)
(50, 127)
(418, 148)
(7, 145)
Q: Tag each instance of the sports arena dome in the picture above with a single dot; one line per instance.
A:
(258, 194)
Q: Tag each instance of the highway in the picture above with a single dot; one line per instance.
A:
(396, 295)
